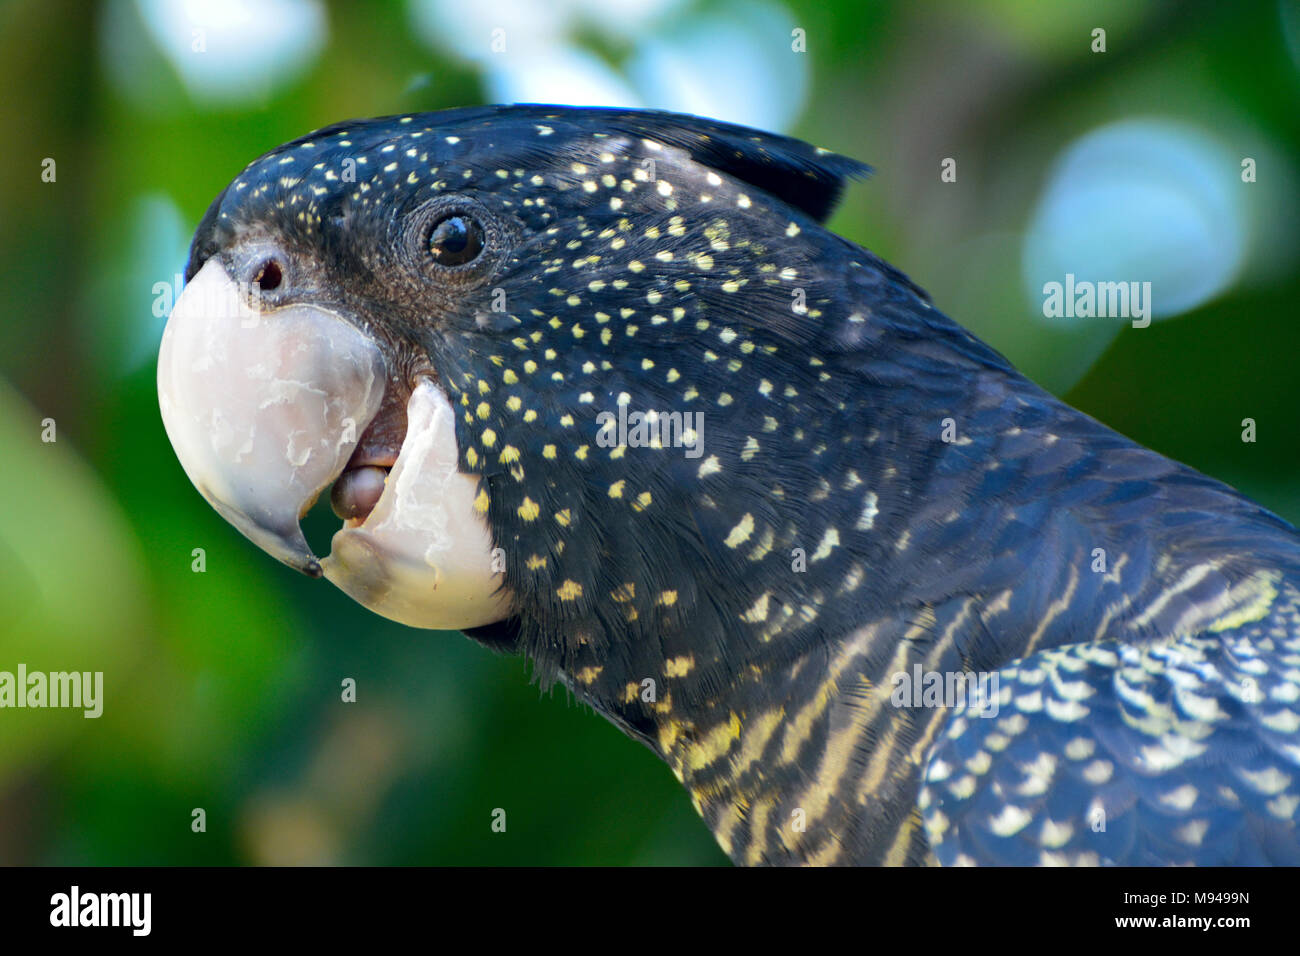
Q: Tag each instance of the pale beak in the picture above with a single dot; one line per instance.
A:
(263, 408)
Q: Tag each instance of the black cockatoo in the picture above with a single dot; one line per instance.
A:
(597, 387)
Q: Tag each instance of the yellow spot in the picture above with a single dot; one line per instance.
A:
(741, 532)
(509, 455)
(642, 501)
(563, 518)
(758, 613)
(529, 510)
(569, 591)
(711, 466)
(679, 666)
(1265, 593)
(483, 410)
(548, 451)
(536, 562)
(764, 546)
(667, 598)
(482, 501)
(616, 489)
(828, 543)
(715, 744)
(588, 675)
(488, 438)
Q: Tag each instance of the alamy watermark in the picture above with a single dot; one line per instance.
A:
(977, 691)
(74, 689)
(1082, 299)
(652, 430)
(243, 302)
(129, 910)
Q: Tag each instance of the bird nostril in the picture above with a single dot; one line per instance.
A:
(269, 275)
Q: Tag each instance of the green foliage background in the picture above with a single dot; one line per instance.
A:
(223, 688)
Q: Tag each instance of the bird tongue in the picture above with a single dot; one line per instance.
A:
(358, 489)
(357, 492)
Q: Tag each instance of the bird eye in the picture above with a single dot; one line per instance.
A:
(455, 240)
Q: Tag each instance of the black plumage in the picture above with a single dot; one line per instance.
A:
(874, 489)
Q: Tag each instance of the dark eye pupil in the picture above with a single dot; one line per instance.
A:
(456, 240)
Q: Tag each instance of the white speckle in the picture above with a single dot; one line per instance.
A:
(1098, 772)
(1181, 798)
(1010, 821)
(1192, 832)
(867, 519)
(1268, 782)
